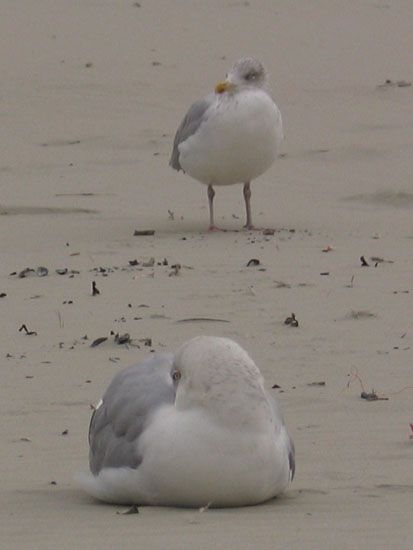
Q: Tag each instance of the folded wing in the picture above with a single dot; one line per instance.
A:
(122, 415)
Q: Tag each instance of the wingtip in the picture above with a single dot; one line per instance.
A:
(174, 163)
(291, 460)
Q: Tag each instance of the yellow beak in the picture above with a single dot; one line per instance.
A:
(224, 86)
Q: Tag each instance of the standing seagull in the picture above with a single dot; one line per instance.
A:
(191, 429)
(232, 135)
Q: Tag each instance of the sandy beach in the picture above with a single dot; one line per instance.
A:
(91, 95)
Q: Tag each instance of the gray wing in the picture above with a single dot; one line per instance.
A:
(118, 421)
(189, 125)
(290, 444)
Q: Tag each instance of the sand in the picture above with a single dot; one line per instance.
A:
(91, 95)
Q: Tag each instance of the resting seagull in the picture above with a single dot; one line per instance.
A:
(230, 136)
(190, 429)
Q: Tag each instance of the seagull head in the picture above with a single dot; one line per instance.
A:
(247, 72)
(216, 374)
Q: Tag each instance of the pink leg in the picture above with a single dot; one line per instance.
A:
(211, 195)
(249, 225)
(247, 198)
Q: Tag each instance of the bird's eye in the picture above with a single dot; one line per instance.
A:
(251, 76)
(176, 375)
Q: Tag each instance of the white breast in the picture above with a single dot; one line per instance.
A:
(237, 142)
(208, 463)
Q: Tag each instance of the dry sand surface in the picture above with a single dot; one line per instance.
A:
(91, 94)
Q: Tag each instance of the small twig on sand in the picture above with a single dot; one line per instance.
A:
(95, 290)
(61, 323)
(27, 331)
(143, 232)
(206, 319)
